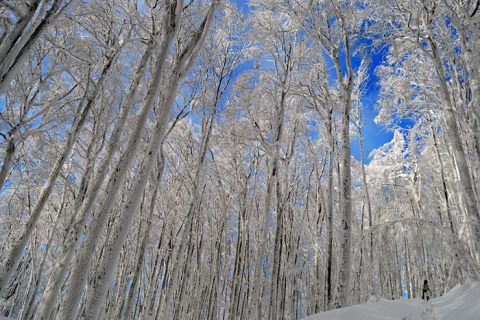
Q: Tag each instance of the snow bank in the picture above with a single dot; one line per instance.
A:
(462, 303)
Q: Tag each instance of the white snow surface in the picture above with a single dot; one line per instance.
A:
(460, 303)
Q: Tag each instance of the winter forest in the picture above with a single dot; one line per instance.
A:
(187, 159)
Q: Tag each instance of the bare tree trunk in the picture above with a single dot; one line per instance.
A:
(105, 272)
(335, 40)
(277, 256)
(10, 38)
(17, 45)
(190, 218)
(444, 182)
(29, 296)
(75, 288)
(273, 171)
(343, 287)
(7, 159)
(237, 274)
(76, 127)
(465, 179)
(86, 200)
(149, 302)
(370, 215)
(143, 246)
(27, 309)
(330, 262)
(408, 277)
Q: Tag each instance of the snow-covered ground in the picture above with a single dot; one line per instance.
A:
(460, 303)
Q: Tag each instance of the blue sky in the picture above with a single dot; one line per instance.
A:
(374, 136)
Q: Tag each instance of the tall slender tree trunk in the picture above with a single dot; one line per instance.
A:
(277, 256)
(105, 273)
(190, 218)
(15, 47)
(70, 304)
(150, 297)
(9, 39)
(80, 118)
(408, 277)
(346, 87)
(369, 210)
(140, 261)
(465, 179)
(85, 202)
(8, 157)
(330, 257)
(27, 307)
(343, 288)
(444, 182)
(272, 178)
(236, 286)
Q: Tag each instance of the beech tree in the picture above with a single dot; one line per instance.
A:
(171, 22)
(423, 29)
(337, 39)
(80, 117)
(279, 43)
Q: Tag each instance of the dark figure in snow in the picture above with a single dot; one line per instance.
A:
(425, 288)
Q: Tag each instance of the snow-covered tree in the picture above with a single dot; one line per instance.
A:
(190, 159)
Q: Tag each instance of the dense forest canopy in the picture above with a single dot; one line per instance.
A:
(192, 160)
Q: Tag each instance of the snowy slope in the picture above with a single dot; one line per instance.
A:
(460, 303)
